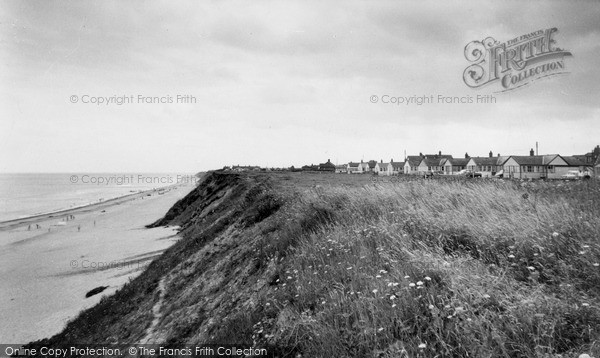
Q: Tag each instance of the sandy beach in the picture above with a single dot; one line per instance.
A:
(49, 262)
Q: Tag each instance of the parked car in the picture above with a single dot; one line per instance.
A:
(431, 173)
(576, 174)
(469, 173)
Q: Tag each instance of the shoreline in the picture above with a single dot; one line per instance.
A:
(36, 218)
(48, 272)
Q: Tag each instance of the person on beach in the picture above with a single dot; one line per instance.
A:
(29, 227)
(78, 227)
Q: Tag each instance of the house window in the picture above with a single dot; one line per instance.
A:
(551, 169)
(529, 169)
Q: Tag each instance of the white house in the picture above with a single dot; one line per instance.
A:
(352, 168)
(411, 164)
(551, 166)
(381, 168)
(396, 167)
(487, 166)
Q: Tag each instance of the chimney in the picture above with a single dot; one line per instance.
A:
(420, 154)
(381, 160)
(491, 154)
(392, 160)
(361, 160)
(531, 152)
(498, 154)
(440, 152)
(466, 155)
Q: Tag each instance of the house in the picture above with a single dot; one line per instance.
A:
(326, 167)
(389, 168)
(597, 168)
(341, 168)
(561, 165)
(352, 168)
(454, 165)
(411, 164)
(487, 166)
(395, 167)
(363, 167)
(551, 166)
(433, 162)
(528, 167)
(589, 158)
(381, 168)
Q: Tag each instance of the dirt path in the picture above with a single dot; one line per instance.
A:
(156, 313)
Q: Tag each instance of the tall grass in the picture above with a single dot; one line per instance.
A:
(431, 268)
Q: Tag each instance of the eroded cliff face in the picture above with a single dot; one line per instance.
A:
(207, 288)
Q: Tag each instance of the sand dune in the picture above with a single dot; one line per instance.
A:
(46, 272)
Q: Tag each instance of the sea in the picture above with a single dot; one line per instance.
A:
(25, 195)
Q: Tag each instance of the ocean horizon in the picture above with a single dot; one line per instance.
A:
(24, 195)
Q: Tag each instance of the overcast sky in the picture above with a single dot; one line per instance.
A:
(279, 83)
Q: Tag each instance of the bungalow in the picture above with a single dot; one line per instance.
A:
(431, 164)
(551, 166)
(396, 167)
(340, 168)
(389, 168)
(352, 168)
(589, 158)
(528, 167)
(326, 167)
(454, 165)
(365, 167)
(381, 168)
(411, 164)
(487, 166)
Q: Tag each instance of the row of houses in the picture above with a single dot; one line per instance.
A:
(531, 166)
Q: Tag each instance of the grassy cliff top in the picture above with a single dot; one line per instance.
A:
(341, 265)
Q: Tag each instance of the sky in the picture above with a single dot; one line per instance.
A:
(279, 83)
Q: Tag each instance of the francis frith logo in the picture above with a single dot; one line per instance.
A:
(514, 63)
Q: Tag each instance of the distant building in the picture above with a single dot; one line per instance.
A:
(589, 158)
(411, 164)
(352, 168)
(454, 165)
(551, 166)
(326, 167)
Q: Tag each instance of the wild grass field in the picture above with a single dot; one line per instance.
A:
(324, 265)
(426, 268)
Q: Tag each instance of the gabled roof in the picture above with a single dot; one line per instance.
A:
(431, 162)
(574, 161)
(458, 161)
(438, 156)
(372, 163)
(502, 159)
(397, 165)
(485, 160)
(352, 164)
(414, 159)
(327, 164)
(534, 159)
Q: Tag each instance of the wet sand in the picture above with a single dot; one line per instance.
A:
(46, 272)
